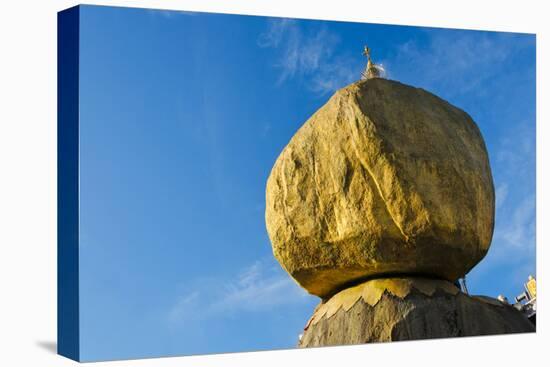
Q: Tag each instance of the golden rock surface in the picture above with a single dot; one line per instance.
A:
(383, 179)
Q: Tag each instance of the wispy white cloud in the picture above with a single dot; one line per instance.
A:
(501, 193)
(515, 156)
(333, 75)
(265, 129)
(516, 227)
(184, 306)
(308, 55)
(259, 287)
(170, 13)
(516, 201)
(275, 32)
(456, 61)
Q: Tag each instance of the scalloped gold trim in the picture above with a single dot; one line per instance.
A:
(372, 290)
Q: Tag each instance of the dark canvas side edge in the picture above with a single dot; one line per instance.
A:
(68, 331)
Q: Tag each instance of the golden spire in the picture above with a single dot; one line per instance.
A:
(372, 70)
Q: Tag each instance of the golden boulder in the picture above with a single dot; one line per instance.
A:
(385, 179)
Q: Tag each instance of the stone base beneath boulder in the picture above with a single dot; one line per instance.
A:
(396, 309)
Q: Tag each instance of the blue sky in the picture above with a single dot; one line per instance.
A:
(182, 117)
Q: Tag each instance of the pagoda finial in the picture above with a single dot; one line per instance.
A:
(372, 70)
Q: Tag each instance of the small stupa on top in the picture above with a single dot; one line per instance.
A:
(372, 70)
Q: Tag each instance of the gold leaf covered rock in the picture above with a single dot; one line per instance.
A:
(383, 179)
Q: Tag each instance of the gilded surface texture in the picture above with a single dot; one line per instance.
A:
(383, 179)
